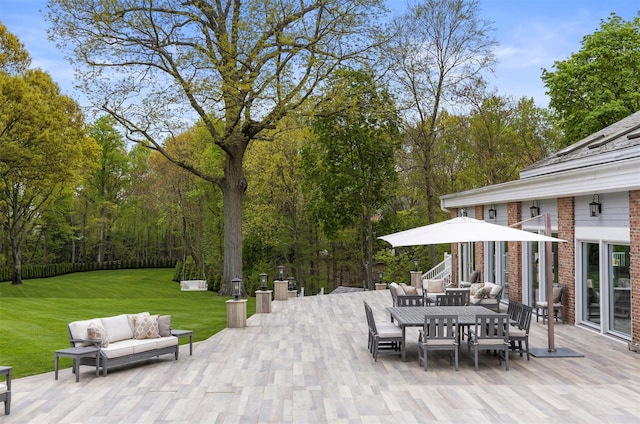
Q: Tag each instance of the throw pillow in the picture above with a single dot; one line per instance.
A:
(473, 289)
(409, 290)
(435, 286)
(164, 325)
(146, 327)
(399, 290)
(96, 331)
(496, 289)
(483, 293)
(132, 317)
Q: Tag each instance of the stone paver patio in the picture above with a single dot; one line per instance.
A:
(307, 362)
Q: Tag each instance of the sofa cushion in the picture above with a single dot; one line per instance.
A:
(78, 331)
(164, 325)
(146, 327)
(96, 331)
(398, 288)
(121, 348)
(117, 328)
(434, 286)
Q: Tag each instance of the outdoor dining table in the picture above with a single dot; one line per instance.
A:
(413, 316)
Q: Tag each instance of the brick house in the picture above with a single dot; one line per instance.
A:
(591, 191)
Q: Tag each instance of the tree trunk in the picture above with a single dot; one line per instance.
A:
(101, 236)
(233, 187)
(16, 253)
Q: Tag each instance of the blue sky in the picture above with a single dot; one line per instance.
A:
(532, 35)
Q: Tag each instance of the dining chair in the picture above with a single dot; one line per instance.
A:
(520, 334)
(440, 332)
(514, 310)
(411, 300)
(490, 332)
(542, 308)
(383, 336)
(451, 299)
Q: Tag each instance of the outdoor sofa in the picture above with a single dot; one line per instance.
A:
(123, 339)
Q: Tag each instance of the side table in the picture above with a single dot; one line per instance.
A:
(76, 353)
(184, 333)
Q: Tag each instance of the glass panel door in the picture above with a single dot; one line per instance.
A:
(620, 289)
(591, 283)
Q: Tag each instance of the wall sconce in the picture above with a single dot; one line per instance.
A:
(280, 272)
(493, 212)
(595, 207)
(263, 281)
(235, 288)
(535, 209)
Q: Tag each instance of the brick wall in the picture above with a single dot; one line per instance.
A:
(479, 246)
(567, 254)
(514, 265)
(634, 269)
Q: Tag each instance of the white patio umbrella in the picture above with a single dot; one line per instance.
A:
(462, 230)
(465, 230)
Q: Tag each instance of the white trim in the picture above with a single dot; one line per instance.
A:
(595, 234)
(607, 177)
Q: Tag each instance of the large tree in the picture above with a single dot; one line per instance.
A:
(43, 146)
(105, 187)
(440, 49)
(599, 84)
(349, 165)
(244, 64)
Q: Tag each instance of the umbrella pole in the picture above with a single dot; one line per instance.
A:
(548, 264)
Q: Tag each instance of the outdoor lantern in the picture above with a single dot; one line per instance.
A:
(462, 212)
(380, 276)
(595, 207)
(290, 285)
(535, 209)
(493, 212)
(415, 264)
(235, 288)
(280, 272)
(263, 281)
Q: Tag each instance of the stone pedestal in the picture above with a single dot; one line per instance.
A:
(281, 289)
(416, 279)
(381, 286)
(263, 301)
(237, 313)
(292, 293)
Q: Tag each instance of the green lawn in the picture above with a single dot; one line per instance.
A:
(34, 315)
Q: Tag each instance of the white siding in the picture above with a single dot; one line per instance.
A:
(615, 211)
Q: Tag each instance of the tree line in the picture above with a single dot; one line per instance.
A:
(239, 136)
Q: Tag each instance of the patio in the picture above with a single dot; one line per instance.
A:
(308, 362)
